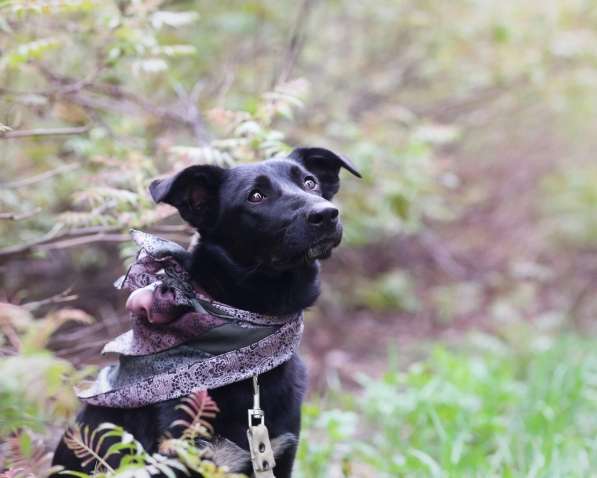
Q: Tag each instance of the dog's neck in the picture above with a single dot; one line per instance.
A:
(254, 289)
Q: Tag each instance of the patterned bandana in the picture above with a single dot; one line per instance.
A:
(181, 341)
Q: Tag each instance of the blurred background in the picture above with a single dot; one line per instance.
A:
(455, 335)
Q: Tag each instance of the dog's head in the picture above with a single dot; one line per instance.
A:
(277, 213)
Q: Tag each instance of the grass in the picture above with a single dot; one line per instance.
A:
(480, 411)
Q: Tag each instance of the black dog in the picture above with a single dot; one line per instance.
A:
(263, 228)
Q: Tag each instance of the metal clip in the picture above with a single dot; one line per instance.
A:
(262, 455)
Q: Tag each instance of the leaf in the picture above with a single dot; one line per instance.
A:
(150, 65)
(198, 406)
(87, 445)
(15, 317)
(51, 6)
(174, 50)
(77, 474)
(27, 454)
(163, 18)
(28, 51)
(4, 128)
(97, 196)
(203, 155)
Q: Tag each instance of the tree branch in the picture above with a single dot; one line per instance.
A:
(83, 240)
(295, 45)
(64, 296)
(83, 236)
(14, 216)
(109, 97)
(44, 132)
(40, 177)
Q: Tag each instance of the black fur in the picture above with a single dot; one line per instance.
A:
(255, 255)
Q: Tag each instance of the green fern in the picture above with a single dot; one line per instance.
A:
(87, 444)
(174, 455)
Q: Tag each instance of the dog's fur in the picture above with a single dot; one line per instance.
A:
(257, 252)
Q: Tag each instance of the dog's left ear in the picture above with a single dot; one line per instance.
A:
(325, 165)
(194, 192)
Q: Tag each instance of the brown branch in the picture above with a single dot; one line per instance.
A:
(64, 296)
(17, 250)
(82, 347)
(295, 45)
(14, 216)
(109, 97)
(83, 240)
(97, 96)
(44, 132)
(41, 177)
(192, 116)
(50, 237)
(11, 334)
(82, 236)
(68, 85)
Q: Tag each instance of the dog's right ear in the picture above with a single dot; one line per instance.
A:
(194, 192)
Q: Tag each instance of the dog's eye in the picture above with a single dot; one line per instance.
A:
(255, 196)
(310, 182)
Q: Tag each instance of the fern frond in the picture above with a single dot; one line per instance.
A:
(203, 155)
(163, 465)
(285, 98)
(227, 119)
(79, 219)
(133, 448)
(27, 456)
(172, 19)
(98, 195)
(87, 444)
(198, 406)
(184, 451)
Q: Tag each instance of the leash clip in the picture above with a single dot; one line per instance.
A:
(262, 454)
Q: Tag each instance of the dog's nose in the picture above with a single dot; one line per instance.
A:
(323, 215)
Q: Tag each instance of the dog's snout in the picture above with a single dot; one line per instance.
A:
(323, 215)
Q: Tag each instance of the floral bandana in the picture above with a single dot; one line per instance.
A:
(181, 341)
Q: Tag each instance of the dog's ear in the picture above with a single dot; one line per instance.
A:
(325, 165)
(194, 192)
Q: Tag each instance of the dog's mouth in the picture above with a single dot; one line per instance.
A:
(321, 249)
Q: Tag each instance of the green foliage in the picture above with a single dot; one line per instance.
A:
(489, 410)
(176, 455)
(474, 119)
(456, 300)
(37, 398)
(138, 112)
(570, 202)
(35, 385)
(393, 291)
(161, 85)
